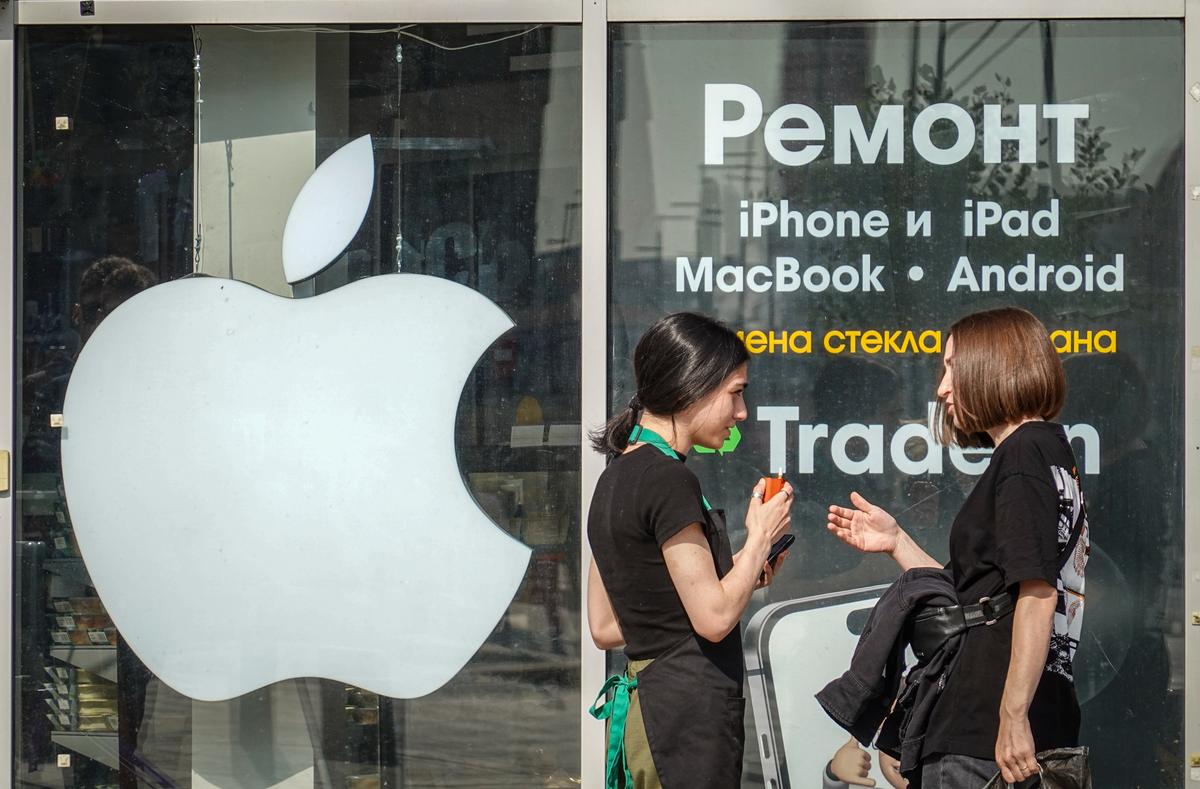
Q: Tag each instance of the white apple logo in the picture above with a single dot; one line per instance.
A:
(265, 488)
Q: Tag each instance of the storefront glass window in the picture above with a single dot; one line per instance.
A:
(157, 154)
(841, 193)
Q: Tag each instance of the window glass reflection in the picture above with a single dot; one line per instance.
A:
(813, 209)
(476, 146)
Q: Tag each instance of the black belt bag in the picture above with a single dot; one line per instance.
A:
(932, 627)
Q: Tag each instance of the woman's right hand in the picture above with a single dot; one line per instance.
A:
(866, 527)
(769, 520)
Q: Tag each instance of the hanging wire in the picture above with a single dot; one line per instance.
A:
(399, 180)
(197, 203)
(229, 199)
(198, 115)
(475, 44)
(400, 30)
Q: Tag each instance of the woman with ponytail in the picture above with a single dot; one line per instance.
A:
(664, 582)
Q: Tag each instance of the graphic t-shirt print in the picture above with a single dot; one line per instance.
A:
(1068, 614)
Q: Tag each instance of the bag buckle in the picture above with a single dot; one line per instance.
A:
(985, 606)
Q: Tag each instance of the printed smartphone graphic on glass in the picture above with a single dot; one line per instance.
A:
(793, 649)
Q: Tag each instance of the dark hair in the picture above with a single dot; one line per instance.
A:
(115, 275)
(105, 285)
(1005, 369)
(680, 359)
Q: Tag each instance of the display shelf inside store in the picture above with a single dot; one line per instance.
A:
(99, 746)
(71, 569)
(101, 661)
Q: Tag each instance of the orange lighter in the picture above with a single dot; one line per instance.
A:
(773, 485)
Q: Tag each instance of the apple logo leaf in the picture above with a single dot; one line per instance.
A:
(329, 210)
(265, 488)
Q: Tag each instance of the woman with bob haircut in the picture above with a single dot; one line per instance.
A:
(1020, 540)
(663, 581)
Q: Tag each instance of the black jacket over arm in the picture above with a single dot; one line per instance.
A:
(863, 697)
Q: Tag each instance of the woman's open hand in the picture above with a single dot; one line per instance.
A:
(866, 527)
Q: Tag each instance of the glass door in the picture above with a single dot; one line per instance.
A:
(170, 158)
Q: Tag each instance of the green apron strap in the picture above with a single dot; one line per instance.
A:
(616, 708)
(644, 434)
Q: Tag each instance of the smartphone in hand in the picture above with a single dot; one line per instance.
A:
(779, 546)
(774, 485)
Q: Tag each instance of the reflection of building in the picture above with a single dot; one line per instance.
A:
(182, 148)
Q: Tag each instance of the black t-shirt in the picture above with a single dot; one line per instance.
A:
(1012, 528)
(642, 500)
